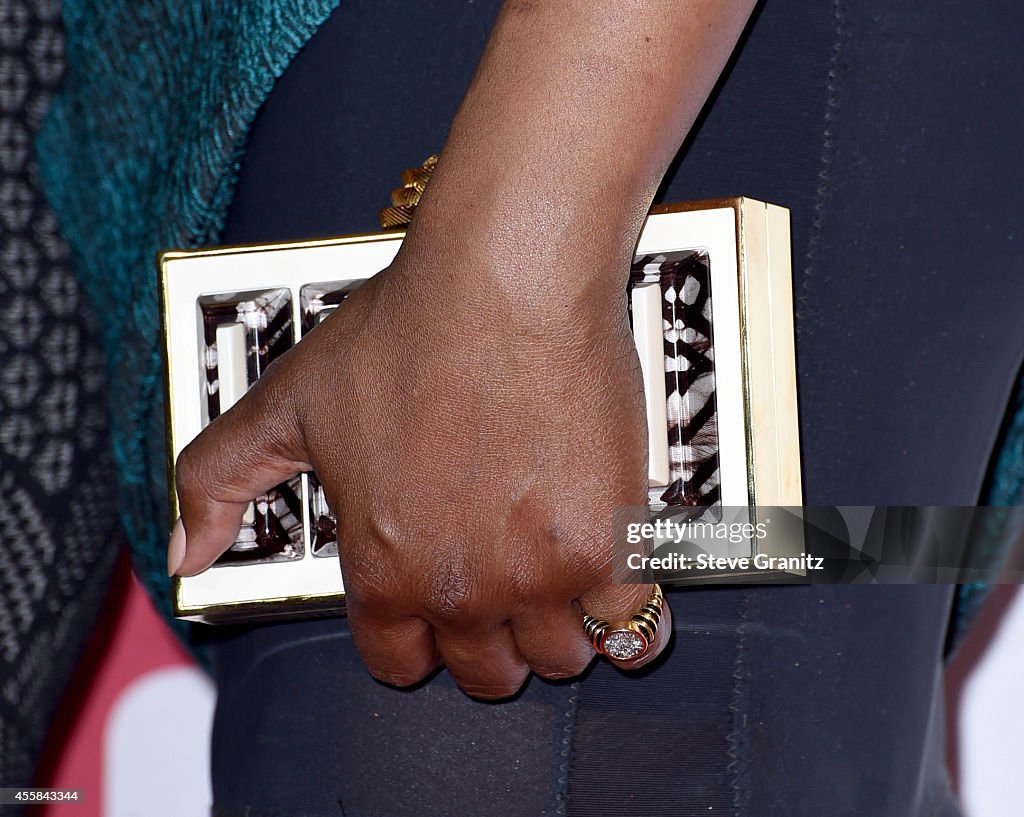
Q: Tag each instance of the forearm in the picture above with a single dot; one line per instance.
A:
(576, 110)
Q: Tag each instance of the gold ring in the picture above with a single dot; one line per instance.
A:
(627, 640)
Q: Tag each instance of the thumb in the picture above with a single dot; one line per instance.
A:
(243, 453)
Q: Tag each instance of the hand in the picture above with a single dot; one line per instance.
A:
(473, 453)
(475, 411)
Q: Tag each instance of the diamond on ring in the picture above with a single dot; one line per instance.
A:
(623, 644)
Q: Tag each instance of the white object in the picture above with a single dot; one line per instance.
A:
(991, 724)
(233, 377)
(156, 747)
(231, 370)
(650, 346)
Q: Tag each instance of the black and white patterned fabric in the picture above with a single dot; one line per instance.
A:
(59, 534)
(685, 281)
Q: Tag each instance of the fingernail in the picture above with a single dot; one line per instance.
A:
(176, 548)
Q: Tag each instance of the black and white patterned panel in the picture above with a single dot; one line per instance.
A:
(59, 532)
(684, 278)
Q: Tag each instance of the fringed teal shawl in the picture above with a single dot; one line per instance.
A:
(139, 153)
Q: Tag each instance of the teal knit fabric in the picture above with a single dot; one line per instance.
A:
(140, 153)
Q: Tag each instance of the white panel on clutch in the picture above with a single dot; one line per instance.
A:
(649, 339)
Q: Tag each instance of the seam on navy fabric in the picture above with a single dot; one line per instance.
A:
(568, 740)
(832, 105)
(737, 739)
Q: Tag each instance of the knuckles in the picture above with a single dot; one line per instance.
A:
(450, 596)
(588, 564)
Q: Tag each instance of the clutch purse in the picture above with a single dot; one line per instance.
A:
(710, 299)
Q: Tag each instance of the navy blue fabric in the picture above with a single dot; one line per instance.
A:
(888, 129)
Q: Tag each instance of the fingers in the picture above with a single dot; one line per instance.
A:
(491, 663)
(240, 455)
(549, 640)
(400, 650)
(552, 641)
(487, 661)
(486, 664)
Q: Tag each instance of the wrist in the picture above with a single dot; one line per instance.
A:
(525, 275)
(523, 238)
